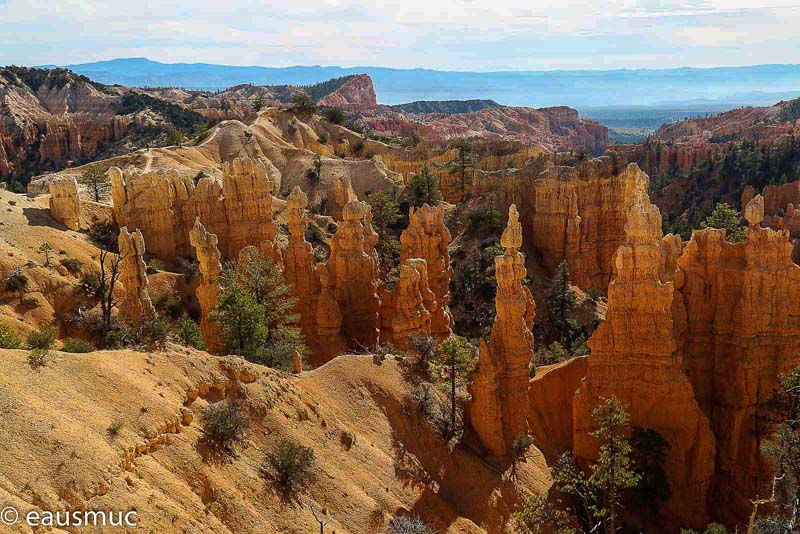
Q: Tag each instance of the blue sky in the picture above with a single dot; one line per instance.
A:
(478, 35)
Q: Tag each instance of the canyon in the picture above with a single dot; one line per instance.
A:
(692, 334)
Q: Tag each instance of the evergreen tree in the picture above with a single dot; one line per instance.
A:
(424, 188)
(456, 361)
(385, 212)
(614, 470)
(187, 333)
(464, 160)
(727, 218)
(240, 320)
(561, 305)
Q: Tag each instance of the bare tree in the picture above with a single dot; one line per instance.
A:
(321, 521)
(109, 275)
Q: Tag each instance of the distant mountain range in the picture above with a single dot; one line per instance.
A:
(724, 86)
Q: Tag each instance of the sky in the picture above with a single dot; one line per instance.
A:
(478, 35)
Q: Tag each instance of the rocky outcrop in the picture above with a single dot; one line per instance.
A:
(164, 206)
(299, 267)
(354, 94)
(499, 389)
(136, 306)
(65, 205)
(554, 129)
(208, 256)
(634, 356)
(738, 327)
(349, 296)
(411, 305)
(342, 194)
(427, 237)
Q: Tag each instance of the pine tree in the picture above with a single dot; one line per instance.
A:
(424, 188)
(614, 470)
(455, 363)
(187, 333)
(561, 304)
(726, 217)
(240, 320)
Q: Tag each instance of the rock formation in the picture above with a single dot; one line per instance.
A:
(427, 237)
(342, 194)
(738, 327)
(136, 306)
(329, 340)
(65, 205)
(208, 256)
(299, 267)
(500, 381)
(164, 206)
(350, 280)
(412, 302)
(573, 212)
(634, 357)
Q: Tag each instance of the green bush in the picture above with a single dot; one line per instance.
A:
(187, 333)
(43, 339)
(72, 265)
(77, 346)
(16, 281)
(224, 425)
(9, 338)
(290, 465)
(334, 115)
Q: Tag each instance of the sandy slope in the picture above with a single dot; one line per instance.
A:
(55, 452)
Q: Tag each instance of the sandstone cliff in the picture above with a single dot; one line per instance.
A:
(498, 410)
(164, 206)
(574, 212)
(634, 357)
(65, 206)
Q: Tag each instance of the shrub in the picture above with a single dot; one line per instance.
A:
(77, 346)
(408, 524)
(555, 353)
(224, 425)
(521, 444)
(167, 304)
(115, 427)
(43, 339)
(105, 234)
(323, 137)
(90, 283)
(334, 115)
(38, 359)
(187, 333)
(289, 465)
(9, 338)
(72, 265)
(16, 281)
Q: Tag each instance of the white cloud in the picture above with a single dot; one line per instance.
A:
(445, 34)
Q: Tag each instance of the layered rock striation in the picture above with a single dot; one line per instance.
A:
(499, 388)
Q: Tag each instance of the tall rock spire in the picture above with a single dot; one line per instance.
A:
(500, 383)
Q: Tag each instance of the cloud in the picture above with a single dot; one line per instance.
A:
(445, 34)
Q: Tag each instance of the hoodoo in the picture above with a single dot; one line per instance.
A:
(500, 382)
